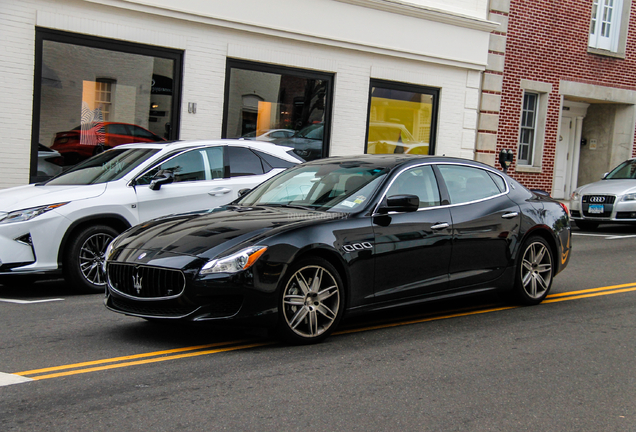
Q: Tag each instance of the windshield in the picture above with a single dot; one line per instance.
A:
(342, 187)
(626, 170)
(105, 167)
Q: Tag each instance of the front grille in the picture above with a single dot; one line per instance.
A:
(599, 199)
(145, 282)
(150, 309)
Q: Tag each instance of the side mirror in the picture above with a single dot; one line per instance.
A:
(400, 203)
(161, 178)
(243, 192)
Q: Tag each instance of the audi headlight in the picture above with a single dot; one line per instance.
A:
(576, 195)
(239, 261)
(630, 197)
(29, 213)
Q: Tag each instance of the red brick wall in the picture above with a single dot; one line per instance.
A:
(547, 41)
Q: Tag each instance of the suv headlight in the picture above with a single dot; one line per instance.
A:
(29, 213)
(630, 197)
(239, 261)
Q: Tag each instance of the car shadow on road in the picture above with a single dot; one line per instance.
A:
(29, 289)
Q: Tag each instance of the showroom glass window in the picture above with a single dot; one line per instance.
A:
(402, 118)
(284, 106)
(93, 94)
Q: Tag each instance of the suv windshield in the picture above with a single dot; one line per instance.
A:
(343, 187)
(108, 166)
(626, 170)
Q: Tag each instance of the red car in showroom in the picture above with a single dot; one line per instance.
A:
(85, 141)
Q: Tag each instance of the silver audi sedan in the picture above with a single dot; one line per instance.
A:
(611, 200)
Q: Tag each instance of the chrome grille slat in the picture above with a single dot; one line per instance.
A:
(155, 282)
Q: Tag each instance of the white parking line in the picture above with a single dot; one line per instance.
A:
(8, 379)
(621, 237)
(29, 301)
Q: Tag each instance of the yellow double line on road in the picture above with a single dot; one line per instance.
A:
(215, 348)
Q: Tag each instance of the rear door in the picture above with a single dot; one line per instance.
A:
(486, 224)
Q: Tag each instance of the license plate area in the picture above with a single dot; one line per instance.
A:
(596, 209)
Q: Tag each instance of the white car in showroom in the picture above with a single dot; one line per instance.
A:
(66, 223)
(611, 200)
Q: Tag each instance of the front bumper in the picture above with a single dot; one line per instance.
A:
(142, 291)
(603, 209)
(31, 247)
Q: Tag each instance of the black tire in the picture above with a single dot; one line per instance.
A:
(309, 311)
(535, 271)
(587, 225)
(84, 256)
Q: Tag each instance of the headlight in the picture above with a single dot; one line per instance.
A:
(630, 197)
(109, 250)
(234, 263)
(575, 195)
(28, 214)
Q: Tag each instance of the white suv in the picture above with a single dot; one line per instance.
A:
(66, 223)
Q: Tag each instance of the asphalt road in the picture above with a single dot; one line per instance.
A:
(471, 365)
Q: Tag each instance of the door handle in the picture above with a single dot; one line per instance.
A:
(510, 215)
(440, 225)
(219, 191)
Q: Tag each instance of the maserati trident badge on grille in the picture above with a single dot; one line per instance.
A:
(137, 282)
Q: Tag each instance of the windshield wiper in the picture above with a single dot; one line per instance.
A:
(294, 206)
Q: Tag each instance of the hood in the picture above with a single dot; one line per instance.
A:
(208, 234)
(23, 197)
(609, 187)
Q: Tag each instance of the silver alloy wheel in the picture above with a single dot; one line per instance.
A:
(311, 301)
(91, 257)
(536, 270)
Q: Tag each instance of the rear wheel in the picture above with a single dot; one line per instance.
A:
(84, 257)
(534, 271)
(311, 302)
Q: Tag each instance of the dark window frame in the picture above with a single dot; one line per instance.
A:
(406, 87)
(44, 34)
(282, 70)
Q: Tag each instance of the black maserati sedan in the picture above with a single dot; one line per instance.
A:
(342, 235)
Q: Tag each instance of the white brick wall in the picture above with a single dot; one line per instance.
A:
(206, 49)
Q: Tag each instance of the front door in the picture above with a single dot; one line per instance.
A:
(413, 250)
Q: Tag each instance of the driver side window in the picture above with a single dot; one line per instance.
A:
(188, 166)
(419, 181)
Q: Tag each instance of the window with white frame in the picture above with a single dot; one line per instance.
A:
(605, 27)
(527, 136)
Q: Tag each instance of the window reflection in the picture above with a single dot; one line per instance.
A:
(94, 99)
(281, 108)
(401, 121)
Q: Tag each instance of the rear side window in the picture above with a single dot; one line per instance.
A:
(273, 161)
(244, 162)
(466, 184)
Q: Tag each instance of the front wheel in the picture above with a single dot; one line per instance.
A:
(311, 302)
(84, 257)
(534, 271)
